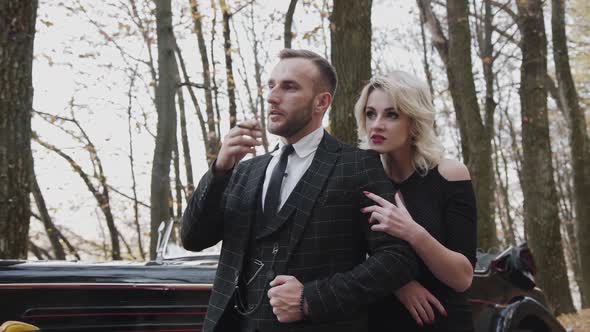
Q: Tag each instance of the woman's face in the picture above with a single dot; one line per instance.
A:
(388, 129)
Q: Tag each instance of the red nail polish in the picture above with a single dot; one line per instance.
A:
(362, 209)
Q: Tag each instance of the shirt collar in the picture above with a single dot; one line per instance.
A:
(306, 144)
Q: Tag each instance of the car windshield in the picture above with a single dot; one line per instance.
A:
(173, 250)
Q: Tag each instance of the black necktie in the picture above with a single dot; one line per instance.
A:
(273, 192)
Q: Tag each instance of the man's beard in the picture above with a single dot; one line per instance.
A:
(293, 125)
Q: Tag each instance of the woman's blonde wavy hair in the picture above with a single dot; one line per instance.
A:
(412, 97)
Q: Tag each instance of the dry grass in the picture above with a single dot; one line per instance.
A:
(578, 322)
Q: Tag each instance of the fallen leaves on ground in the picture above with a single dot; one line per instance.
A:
(578, 322)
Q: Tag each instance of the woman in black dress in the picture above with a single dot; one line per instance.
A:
(434, 208)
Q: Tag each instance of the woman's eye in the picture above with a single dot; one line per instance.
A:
(370, 114)
(392, 115)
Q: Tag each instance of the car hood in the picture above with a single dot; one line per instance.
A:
(199, 270)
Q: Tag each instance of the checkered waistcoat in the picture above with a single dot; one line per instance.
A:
(270, 249)
(327, 244)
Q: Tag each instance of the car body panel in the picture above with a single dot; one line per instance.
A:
(172, 294)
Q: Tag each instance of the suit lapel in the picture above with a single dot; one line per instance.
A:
(306, 191)
(250, 199)
(315, 181)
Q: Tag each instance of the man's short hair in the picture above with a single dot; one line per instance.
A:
(327, 72)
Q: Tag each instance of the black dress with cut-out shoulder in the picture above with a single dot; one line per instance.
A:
(446, 209)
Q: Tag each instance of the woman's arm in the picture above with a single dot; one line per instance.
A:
(450, 267)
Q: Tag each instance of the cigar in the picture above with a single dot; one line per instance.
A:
(239, 125)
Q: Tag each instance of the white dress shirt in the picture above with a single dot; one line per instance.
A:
(297, 164)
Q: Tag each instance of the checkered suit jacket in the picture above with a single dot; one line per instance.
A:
(330, 237)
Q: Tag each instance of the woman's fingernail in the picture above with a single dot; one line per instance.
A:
(366, 192)
(362, 209)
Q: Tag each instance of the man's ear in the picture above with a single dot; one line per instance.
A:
(323, 101)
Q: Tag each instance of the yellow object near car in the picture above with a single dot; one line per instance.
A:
(14, 326)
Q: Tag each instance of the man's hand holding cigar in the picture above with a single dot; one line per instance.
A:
(241, 140)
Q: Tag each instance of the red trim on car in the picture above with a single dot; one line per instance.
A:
(106, 285)
(118, 314)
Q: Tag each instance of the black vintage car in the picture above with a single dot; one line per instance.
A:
(171, 294)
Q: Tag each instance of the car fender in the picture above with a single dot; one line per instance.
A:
(527, 314)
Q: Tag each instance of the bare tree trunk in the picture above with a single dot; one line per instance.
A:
(213, 138)
(351, 56)
(213, 67)
(505, 197)
(165, 106)
(540, 210)
(287, 34)
(325, 9)
(258, 77)
(17, 33)
(177, 182)
(132, 169)
(243, 73)
(425, 61)
(38, 252)
(72, 250)
(473, 130)
(566, 205)
(50, 229)
(476, 139)
(578, 142)
(210, 155)
(188, 165)
(231, 84)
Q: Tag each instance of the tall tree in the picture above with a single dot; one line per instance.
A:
(231, 84)
(476, 132)
(568, 98)
(351, 56)
(17, 33)
(288, 34)
(541, 217)
(165, 107)
(212, 139)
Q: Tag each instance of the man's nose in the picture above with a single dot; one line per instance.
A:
(272, 97)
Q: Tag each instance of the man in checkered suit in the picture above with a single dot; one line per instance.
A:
(294, 259)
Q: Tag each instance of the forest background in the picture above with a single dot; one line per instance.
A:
(112, 110)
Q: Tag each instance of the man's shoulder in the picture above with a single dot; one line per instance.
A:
(358, 153)
(347, 149)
